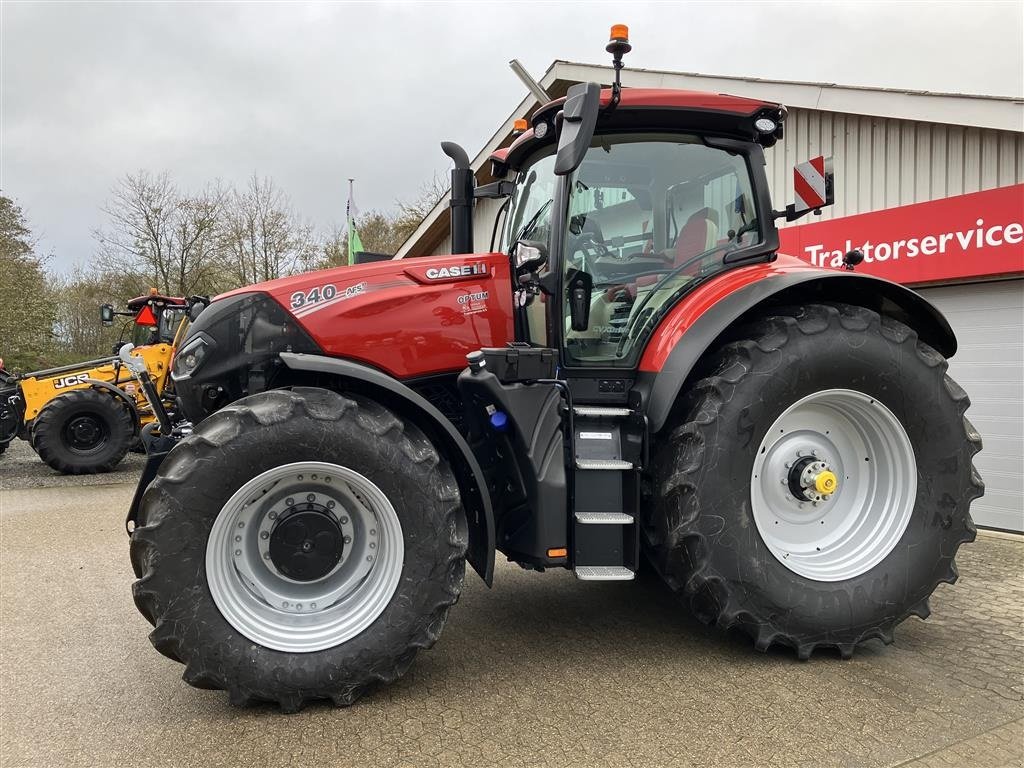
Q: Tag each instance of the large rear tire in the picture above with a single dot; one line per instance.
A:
(301, 545)
(82, 432)
(816, 485)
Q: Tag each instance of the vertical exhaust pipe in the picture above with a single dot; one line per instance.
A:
(463, 183)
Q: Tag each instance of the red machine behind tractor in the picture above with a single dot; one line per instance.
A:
(636, 375)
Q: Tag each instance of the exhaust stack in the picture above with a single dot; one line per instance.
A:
(463, 183)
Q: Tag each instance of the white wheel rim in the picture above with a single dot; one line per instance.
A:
(837, 536)
(275, 611)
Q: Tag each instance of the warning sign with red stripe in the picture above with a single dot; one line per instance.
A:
(812, 183)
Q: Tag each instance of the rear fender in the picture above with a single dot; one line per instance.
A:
(394, 394)
(699, 322)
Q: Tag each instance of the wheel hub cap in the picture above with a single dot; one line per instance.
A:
(306, 544)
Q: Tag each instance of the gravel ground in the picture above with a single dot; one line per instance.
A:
(21, 468)
(540, 671)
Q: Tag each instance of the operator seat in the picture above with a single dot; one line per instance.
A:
(699, 234)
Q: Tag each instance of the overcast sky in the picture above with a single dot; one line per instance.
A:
(313, 94)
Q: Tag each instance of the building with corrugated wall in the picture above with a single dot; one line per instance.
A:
(930, 186)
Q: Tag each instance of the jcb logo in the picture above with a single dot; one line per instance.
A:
(70, 381)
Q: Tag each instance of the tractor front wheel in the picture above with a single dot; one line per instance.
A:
(300, 545)
(82, 432)
(817, 483)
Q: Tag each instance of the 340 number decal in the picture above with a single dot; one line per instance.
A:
(314, 295)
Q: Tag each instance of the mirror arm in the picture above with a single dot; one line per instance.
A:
(791, 214)
(497, 189)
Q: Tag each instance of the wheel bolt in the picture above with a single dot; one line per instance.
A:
(348, 539)
(241, 524)
(238, 538)
(312, 605)
(238, 553)
(289, 501)
(344, 520)
(266, 555)
(272, 515)
(311, 497)
(331, 505)
(373, 545)
(298, 606)
(265, 535)
(369, 559)
(373, 531)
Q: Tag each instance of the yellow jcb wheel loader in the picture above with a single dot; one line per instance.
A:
(83, 418)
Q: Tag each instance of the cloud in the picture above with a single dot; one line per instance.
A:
(313, 94)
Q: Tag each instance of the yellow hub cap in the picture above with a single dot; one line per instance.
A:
(826, 482)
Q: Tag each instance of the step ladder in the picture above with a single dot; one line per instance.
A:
(608, 447)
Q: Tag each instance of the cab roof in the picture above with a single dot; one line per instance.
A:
(661, 108)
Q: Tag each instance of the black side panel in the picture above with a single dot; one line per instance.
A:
(517, 429)
(660, 390)
(394, 394)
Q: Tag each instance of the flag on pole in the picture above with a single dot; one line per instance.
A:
(351, 212)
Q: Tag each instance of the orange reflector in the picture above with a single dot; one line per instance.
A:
(153, 291)
(620, 32)
(145, 316)
(520, 125)
(558, 552)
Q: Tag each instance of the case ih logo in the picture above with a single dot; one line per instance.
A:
(465, 270)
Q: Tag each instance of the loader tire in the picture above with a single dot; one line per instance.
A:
(744, 526)
(245, 602)
(82, 432)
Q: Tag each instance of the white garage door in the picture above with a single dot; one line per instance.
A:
(988, 319)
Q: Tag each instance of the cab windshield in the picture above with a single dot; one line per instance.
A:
(649, 214)
(164, 332)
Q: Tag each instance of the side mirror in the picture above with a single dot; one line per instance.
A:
(579, 287)
(529, 255)
(196, 305)
(107, 314)
(579, 117)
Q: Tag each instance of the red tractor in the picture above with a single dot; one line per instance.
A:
(636, 375)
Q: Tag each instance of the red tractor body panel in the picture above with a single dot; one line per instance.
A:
(684, 314)
(408, 318)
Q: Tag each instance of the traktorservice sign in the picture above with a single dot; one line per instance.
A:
(975, 235)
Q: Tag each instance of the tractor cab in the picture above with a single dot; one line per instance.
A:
(621, 203)
(156, 319)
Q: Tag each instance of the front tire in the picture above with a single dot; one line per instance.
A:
(82, 432)
(229, 584)
(817, 482)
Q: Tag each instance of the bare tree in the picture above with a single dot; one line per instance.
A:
(261, 237)
(157, 232)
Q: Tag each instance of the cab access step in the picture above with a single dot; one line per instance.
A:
(565, 477)
(607, 449)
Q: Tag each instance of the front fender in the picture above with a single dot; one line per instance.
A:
(394, 394)
(694, 325)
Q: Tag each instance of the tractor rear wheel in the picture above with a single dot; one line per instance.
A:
(817, 484)
(82, 432)
(300, 545)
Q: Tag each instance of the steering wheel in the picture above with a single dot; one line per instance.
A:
(636, 322)
(591, 248)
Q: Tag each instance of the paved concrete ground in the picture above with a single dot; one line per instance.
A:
(540, 671)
